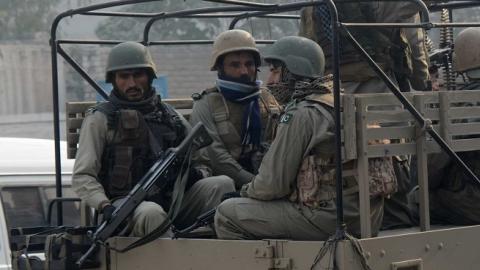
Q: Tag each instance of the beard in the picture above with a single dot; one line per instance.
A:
(244, 79)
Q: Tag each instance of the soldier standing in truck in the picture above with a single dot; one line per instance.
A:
(400, 53)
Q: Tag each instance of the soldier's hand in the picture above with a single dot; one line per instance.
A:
(107, 212)
(230, 195)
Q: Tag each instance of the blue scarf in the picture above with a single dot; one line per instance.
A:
(248, 95)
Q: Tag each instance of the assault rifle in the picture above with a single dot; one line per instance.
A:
(158, 175)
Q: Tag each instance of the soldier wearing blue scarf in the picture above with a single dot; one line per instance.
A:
(239, 115)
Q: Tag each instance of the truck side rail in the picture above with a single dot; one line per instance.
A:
(453, 114)
(76, 114)
(374, 117)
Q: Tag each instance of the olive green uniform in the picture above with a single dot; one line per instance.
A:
(355, 73)
(223, 120)
(201, 197)
(266, 211)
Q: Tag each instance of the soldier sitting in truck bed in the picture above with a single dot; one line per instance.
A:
(121, 138)
(239, 115)
(293, 195)
(453, 195)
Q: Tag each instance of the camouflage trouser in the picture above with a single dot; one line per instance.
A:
(245, 218)
(201, 197)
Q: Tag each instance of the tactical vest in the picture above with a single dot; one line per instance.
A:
(388, 47)
(315, 184)
(228, 119)
(134, 142)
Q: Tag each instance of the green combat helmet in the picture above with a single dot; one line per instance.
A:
(302, 56)
(233, 41)
(128, 55)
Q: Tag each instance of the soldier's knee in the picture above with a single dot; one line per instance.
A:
(226, 209)
(217, 184)
(151, 210)
(223, 183)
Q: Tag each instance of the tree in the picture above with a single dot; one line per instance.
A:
(23, 19)
(132, 29)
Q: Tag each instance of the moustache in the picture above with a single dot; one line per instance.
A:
(133, 89)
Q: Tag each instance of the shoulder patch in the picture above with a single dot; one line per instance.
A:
(285, 118)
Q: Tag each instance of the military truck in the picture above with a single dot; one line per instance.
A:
(430, 122)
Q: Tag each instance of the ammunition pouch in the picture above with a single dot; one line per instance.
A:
(383, 181)
(62, 247)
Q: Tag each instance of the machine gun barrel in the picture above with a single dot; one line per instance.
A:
(157, 175)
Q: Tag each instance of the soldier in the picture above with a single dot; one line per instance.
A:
(393, 49)
(121, 138)
(453, 195)
(239, 115)
(467, 57)
(400, 53)
(293, 195)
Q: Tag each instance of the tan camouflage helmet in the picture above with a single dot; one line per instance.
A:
(233, 41)
(128, 55)
(466, 57)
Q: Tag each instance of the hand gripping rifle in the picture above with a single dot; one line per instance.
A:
(158, 175)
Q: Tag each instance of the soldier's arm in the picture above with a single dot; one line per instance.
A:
(296, 136)
(88, 160)
(420, 60)
(221, 160)
(395, 11)
(307, 28)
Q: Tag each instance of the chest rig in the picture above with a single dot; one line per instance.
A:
(134, 142)
(228, 119)
(315, 184)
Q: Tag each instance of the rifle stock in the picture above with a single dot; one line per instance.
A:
(157, 175)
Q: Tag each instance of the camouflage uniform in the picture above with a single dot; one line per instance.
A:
(281, 202)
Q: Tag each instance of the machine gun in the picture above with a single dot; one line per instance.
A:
(158, 175)
(439, 56)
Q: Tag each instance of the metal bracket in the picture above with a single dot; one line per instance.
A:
(268, 252)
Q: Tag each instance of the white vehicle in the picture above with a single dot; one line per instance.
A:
(27, 186)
